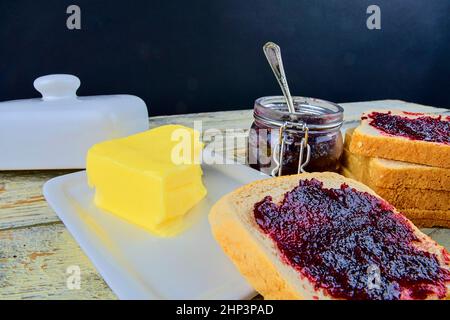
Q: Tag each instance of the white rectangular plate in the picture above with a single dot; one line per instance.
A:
(138, 265)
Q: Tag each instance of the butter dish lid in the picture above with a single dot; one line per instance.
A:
(56, 131)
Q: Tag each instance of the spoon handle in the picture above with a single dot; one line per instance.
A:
(273, 55)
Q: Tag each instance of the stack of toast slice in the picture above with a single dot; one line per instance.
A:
(412, 175)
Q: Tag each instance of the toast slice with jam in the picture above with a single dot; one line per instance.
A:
(419, 138)
(324, 236)
(386, 173)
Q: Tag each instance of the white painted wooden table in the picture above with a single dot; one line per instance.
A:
(36, 249)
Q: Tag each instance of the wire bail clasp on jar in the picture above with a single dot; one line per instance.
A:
(278, 152)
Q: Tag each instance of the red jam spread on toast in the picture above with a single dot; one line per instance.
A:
(423, 128)
(350, 243)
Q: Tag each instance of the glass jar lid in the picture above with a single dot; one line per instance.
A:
(317, 114)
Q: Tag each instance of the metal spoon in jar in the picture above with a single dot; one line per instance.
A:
(273, 55)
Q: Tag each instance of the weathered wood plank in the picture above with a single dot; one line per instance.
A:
(34, 261)
(21, 200)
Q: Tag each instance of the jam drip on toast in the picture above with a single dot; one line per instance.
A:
(423, 128)
(350, 243)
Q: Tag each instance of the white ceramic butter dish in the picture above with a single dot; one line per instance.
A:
(56, 131)
(138, 265)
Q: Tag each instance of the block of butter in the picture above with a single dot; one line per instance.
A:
(150, 179)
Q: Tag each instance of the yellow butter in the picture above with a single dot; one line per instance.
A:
(147, 178)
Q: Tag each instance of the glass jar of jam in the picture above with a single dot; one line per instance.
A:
(282, 143)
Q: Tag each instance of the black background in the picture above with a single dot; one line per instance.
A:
(191, 56)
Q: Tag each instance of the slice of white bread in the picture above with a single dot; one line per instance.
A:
(428, 218)
(393, 174)
(255, 254)
(400, 197)
(422, 207)
(372, 142)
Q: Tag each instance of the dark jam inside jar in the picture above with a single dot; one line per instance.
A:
(323, 120)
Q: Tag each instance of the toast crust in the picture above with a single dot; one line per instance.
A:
(259, 270)
(393, 174)
(428, 218)
(408, 198)
(248, 247)
(401, 149)
(421, 216)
